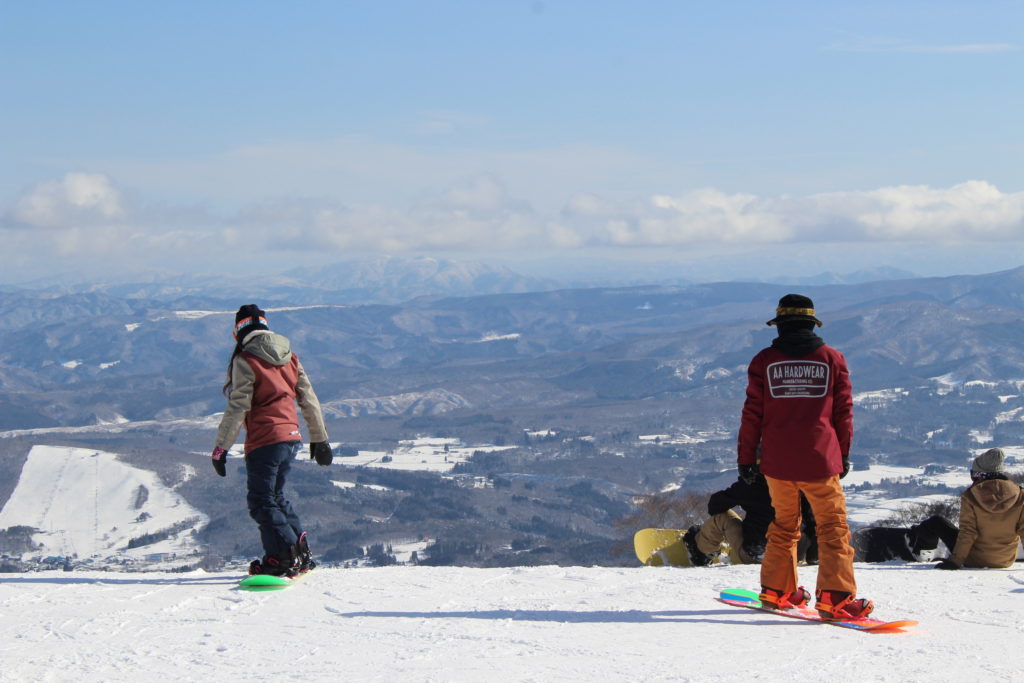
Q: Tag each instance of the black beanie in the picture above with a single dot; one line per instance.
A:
(249, 318)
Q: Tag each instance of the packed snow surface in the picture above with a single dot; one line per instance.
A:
(518, 624)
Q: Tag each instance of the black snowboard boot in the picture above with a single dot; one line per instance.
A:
(304, 558)
(284, 563)
(920, 541)
(914, 544)
(697, 558)
(754, 552)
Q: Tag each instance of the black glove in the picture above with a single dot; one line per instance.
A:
(947, 564)
(846, 466)
(749, 473)
(321, 452)
(218, 457)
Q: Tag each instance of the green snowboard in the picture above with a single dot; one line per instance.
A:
(267, 582)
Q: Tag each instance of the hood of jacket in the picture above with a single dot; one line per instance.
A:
(269, 346)
(995, 495)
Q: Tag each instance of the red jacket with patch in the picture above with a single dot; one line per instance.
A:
(800, 411)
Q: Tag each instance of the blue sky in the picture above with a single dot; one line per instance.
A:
(734, 139)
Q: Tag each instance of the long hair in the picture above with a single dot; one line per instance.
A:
(226, 389)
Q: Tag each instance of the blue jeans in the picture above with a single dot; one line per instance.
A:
(266, 470)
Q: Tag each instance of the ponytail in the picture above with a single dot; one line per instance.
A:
(226, 389)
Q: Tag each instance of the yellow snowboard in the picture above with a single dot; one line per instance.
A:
(661, 547)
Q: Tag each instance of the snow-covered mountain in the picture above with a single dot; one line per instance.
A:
(86, 505)
(547, 624)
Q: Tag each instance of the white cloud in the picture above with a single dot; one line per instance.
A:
(75, 199)
(477, 213)
(970, 211)
(86, 216)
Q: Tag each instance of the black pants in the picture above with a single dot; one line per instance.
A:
(266, 470)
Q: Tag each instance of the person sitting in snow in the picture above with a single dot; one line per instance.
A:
(744, 535)
(991, 517)
(265, 379)
(991, 525)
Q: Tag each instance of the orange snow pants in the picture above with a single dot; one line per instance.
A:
(835, 566)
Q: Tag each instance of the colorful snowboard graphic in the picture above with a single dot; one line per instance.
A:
(739, 597)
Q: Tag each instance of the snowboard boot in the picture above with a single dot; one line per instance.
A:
(303, 556)
(775, 599)
(914, 545)
(842, 606)
(810, 554)
(697, 558)
(753, 552)
(282, 564)
(920, 542)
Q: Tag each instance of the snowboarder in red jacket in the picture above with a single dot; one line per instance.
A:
(799, 410)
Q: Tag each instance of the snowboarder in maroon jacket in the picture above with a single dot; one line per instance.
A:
(799, 410)
(265, 380)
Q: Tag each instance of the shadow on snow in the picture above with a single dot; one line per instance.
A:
(573, 617)
(121, 579)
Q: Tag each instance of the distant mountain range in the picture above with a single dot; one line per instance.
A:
(358, 281)
(392, 280)
(857, 277)
(77, 358)
(576, 379)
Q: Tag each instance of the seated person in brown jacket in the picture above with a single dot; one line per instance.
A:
(991, 517)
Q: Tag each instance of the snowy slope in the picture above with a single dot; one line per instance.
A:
(521, 624)
(120, 426)
(424, 454)
(88, 504)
